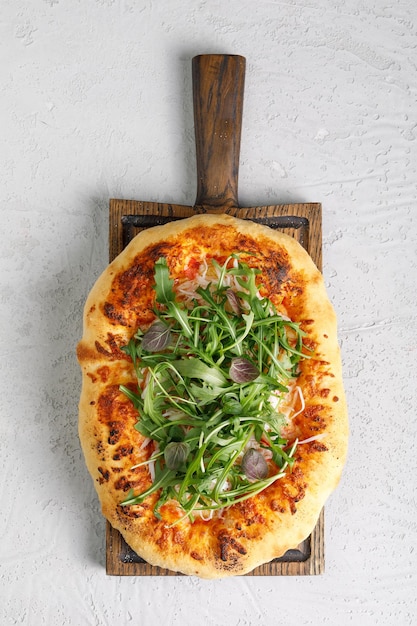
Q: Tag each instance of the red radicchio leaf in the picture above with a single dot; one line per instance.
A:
(234, 302)
(242, 371)
(254, 465)
(157, 337)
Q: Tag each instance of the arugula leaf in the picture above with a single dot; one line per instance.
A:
(205, 395)
(195, 368)
(163, 283)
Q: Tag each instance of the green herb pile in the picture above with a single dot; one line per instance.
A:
(212, 366)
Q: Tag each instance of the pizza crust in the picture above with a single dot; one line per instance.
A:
(262, 528)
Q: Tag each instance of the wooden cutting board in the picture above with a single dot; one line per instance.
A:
(218, 87)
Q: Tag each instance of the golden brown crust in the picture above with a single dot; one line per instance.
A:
(264, 527)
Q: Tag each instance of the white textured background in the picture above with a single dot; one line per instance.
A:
(96, 103)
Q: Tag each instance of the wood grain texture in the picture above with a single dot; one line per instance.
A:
(306, 560)
(301, 221)
(306, 230)
(218, 87)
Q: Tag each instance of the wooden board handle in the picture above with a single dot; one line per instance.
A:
(218, 86)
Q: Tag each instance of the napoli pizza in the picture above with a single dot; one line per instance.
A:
(212, 414)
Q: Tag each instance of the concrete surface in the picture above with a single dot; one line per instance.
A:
(96, 103)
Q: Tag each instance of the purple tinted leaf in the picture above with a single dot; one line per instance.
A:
(242, 371)
(254, 465)
(157, 337)
(234, 302)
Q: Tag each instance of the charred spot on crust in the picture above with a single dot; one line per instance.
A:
(122, 451)
(246, 243)
(318, 423)
(313, 414)
(318, 447)
(130, 512)
(309, 344)
(308, 322)
(134, 512)
(277, 506)
(229, 545)
(116, 412)
(168, 536)
(113, 314)
(250, 512)
(195, 555)
(112, 351)
(157, 250)
(277, 275)
(105, 475)
(122, 484)
(290, 490)
(116, 430)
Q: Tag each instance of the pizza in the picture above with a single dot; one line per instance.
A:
(212, 414)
